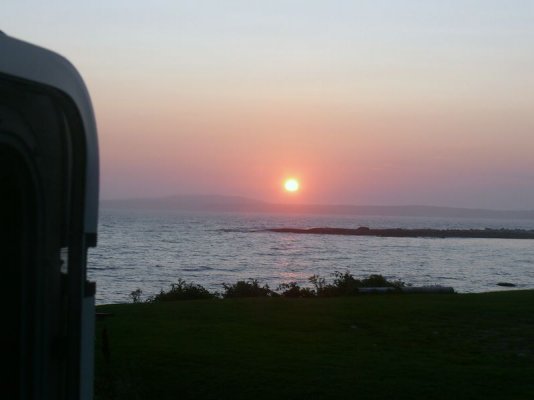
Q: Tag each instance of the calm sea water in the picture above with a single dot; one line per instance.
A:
(152, 249)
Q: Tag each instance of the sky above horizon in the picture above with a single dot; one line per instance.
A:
(365, 102)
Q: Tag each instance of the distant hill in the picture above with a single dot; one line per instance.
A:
(217, 203)
(187, 203)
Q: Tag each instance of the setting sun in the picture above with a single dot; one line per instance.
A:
(291, 185)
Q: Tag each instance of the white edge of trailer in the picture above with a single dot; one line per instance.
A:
(18, 59)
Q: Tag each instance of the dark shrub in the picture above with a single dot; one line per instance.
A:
(322, 289)
(318, 283)
(136, 295)
(380, 281)
(291, 289)
(250, 288)
(183, 291)
(345, 284)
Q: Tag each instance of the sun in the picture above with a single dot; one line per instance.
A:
(291, 185)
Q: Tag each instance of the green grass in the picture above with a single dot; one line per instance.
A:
(469, 346)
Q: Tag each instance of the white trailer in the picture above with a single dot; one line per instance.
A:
(48, 218)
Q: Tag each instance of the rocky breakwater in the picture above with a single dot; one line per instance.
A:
(400, 232)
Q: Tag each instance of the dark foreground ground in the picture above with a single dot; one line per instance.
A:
(468, 346)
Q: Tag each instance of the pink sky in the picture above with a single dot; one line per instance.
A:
(374, 103)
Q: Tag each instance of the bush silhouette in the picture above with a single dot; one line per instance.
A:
(182, 290)
(136, 295)
(380, 281)
(292, 289)
(343, 284)
(250, 288)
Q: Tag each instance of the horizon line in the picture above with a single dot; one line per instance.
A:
(270, 203)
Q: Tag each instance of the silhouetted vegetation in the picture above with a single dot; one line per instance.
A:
(380, 281)
(183, 290)
(250, 288)
(343, 284)
(136, 295)
(292, 289)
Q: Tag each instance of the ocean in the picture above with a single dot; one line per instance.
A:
(150, 250)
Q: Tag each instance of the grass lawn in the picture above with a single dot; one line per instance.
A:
(468, 346)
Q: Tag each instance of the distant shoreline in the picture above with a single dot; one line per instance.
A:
(428, 233)
(218, 203)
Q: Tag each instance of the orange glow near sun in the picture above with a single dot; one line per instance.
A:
(291, 185)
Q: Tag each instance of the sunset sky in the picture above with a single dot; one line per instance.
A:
(365, 102)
